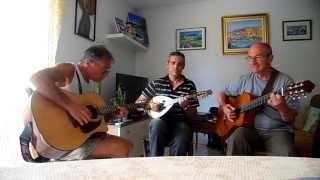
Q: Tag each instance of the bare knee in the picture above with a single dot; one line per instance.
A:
(112, 147)
(127, 147)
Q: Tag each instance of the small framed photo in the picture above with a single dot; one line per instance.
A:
(191, 39)
(85, 19)
(296, 30)
(240, 31)
(120, 25)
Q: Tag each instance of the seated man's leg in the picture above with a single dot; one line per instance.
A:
(279, 143)
(158, 136)
(111, 146)
(242, 141)
(182, 137)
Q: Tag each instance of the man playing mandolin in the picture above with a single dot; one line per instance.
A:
(80, 78)
(171, 129)
(273, 123)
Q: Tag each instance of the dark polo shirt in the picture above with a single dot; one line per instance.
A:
(162, 87)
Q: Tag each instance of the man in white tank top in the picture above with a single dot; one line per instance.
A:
(78, 78)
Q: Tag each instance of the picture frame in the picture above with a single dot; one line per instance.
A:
(85, 19)
(120, 25)
(191, 39)
(138, 25)
(297, 30)
(240, 31)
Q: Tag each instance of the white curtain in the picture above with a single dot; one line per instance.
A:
(30, 33)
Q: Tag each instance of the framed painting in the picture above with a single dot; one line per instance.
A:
(120, 25)
(191, 39)
(296, 30)
(85, 19)
(239, 32)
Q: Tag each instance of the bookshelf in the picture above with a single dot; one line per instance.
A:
(126, 40)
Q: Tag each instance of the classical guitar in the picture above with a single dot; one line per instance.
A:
(165, 103)
(246, 105)
(56, 133)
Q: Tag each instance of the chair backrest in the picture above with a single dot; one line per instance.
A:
(29, 91)
(315, 101)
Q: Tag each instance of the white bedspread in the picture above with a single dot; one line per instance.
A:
(191, 167)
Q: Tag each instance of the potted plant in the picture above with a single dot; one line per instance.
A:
(119, 98)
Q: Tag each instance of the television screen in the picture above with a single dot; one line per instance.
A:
(132, 85)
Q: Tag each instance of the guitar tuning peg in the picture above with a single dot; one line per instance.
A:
(293, 98)
(305, 96)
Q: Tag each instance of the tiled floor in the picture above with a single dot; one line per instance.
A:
(201, 148)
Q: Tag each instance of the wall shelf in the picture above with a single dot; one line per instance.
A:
(125, 40)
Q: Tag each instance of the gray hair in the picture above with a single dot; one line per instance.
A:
(96, 52)
(265, 45)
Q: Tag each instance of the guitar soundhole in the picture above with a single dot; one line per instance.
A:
(237, 112)
(93, 111)
(95, 122)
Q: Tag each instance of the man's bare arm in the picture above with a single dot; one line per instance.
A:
(287, 114)
(48, 82)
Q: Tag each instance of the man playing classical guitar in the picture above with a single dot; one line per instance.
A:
(273, 123)
(80, 78)
(172, 129)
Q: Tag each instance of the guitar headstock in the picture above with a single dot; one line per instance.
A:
(202, 94)
(298, 90)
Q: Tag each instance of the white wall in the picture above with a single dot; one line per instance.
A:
(71, 46)
(209, 68)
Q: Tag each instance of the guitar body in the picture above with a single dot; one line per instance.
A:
(167, 104)
(226, 127)
(246, 104)
(55, 132)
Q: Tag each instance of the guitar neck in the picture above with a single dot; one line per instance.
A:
(197, 95)
(108, 109)
(255, 103)
(293, 91)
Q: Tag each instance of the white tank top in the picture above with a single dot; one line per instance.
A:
(74, 85)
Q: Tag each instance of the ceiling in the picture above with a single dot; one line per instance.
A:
(144, 4)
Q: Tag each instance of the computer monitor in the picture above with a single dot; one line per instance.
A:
(132, 85)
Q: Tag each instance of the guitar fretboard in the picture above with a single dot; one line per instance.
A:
(254, 104)
(110, 109)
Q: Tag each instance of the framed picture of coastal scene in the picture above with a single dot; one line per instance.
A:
(191, 38)
(240, 31)
(297, 30)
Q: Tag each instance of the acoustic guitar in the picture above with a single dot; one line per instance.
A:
(55, 132)
(246, 105)
(165, 103)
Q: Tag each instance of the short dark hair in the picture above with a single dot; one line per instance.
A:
(96, 52)
(177, 53)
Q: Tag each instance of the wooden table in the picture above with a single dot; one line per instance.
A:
(207, 127)
(176, 168)
(201, 126)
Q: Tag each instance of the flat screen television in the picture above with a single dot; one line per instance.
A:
(132, 85)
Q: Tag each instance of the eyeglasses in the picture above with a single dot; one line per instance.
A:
(258, 57)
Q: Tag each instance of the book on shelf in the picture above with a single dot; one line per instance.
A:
(140, 28)
(120, 25)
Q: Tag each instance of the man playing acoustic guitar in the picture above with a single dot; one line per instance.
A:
(273, 123)
(80, 78)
